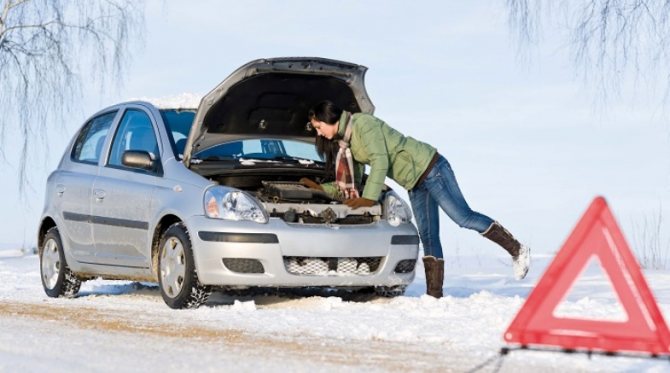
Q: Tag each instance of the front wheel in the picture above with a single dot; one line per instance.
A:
(57, 279)
(177, 276)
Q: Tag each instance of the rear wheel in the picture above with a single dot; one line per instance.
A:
(177, 277)
(57, 279)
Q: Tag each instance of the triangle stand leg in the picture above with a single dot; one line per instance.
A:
(589, 353)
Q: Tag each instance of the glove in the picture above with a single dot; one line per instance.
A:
(310, 183)
(355, 203)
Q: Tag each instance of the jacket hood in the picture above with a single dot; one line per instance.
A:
(271, 98)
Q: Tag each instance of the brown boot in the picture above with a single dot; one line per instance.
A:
(520, 253)
(434, 275)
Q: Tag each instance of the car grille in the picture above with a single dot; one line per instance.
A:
(405, 266)
(326, 266)
(240, 265)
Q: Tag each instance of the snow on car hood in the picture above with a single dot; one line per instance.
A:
(271, 97)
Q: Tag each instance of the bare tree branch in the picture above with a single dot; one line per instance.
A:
(47, 49)
(610, 39)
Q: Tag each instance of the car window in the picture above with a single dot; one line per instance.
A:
(91, 139)
(178, 123)
(135, 132)
(261, 149)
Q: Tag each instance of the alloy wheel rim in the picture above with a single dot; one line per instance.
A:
(50, 264)
(173, 267)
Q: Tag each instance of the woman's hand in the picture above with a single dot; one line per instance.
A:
(310, 183)
(355, 203)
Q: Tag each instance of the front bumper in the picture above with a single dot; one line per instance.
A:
(276, 244)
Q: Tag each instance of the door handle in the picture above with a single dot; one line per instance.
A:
(60, 189)
(99, 194)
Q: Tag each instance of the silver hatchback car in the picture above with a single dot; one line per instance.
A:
(208, 198)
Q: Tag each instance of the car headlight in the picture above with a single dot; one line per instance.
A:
(397, 211)
(222, 203)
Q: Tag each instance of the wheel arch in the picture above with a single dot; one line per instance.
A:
(46, 224)
(163, 224)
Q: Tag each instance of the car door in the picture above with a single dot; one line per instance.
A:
(73, 184)
(122, 201)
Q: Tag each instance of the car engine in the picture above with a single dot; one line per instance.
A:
(296, 203)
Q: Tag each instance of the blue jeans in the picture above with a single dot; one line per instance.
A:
(441, 188)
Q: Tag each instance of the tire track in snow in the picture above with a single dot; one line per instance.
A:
(374, 354)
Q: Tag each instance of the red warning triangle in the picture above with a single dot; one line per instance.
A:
(597, 234)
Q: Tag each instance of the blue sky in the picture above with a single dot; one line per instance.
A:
(528, 145)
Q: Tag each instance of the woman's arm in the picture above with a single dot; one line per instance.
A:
(372, 138)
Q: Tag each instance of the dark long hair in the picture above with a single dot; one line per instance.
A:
(328, 149)
(327, 112)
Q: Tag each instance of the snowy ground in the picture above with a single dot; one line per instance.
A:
(125, 326)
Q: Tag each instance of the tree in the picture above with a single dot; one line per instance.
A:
(47, 49)
(609, 39)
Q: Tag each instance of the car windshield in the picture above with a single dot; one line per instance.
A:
(262, 149)
(178, 122)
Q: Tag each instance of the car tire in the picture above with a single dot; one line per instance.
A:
(177, 276)
(390, 291)
(57, 278)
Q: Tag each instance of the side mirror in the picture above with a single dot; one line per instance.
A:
(138, 159)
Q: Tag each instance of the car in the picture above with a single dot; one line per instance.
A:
(208, 198)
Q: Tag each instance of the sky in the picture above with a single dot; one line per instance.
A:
(528, 139)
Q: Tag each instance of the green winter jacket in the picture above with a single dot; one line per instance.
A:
(386, 151)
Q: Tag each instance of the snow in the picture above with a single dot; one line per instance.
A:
(180, 101)
(10, 253)
(121, 325)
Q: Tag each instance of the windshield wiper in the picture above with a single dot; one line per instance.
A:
(252, 158)
(292, 158)
(212, 158)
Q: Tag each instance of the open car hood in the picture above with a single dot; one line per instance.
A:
(271, 97)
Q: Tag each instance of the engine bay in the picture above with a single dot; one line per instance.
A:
(291, 191)
(296, 203)
(284, 197)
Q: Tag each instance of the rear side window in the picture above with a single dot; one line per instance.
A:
(91, 139)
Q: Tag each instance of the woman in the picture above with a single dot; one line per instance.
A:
(416, 166)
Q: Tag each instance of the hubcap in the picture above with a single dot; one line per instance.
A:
(50, 263)
(173, 267)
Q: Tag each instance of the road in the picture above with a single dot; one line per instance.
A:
(104, 339)
(126, 326)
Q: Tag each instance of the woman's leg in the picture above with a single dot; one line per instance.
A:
(442, 186)
(428, 222)
(427, 218)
